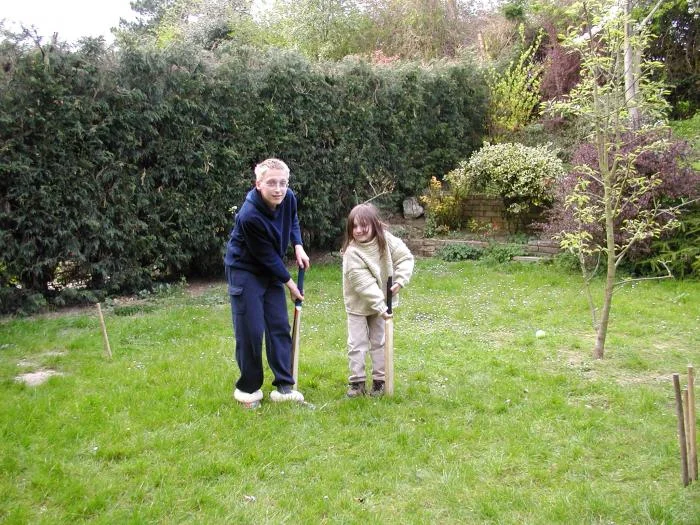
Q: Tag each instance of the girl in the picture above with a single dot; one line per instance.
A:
(370, 255)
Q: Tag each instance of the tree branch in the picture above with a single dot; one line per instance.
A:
(376, 196)
(668, 275)
(648, 17)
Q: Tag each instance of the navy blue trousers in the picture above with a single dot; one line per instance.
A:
(259, 307)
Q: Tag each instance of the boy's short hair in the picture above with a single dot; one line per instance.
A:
(267, 164)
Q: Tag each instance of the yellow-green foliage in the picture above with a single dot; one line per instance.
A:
(443, 209)
(514, 92)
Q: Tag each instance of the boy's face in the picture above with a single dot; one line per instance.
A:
(273, 187)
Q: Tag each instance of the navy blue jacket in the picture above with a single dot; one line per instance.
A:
(261, 236)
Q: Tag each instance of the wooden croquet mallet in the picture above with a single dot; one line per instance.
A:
(296, 328)
(389, 344)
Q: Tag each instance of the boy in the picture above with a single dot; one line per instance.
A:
(256, 275)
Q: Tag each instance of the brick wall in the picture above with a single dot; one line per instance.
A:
(488, 210)
(485, 210)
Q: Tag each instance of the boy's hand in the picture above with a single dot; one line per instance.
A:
(395, 289)
(302, 259)
(293, 290)
(386, 315)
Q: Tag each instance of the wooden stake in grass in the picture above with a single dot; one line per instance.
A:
(108, 350)
(690, 425)
(688, 446)
(681, 429)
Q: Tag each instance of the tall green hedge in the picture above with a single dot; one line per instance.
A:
(118, 169)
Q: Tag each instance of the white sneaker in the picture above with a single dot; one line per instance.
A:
(286, 393)
(248, 400)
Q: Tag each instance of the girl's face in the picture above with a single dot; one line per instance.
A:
(362, 232)
(273, 187)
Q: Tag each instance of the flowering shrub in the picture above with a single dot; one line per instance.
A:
(443, 211)
(515, 92)
(524, 177)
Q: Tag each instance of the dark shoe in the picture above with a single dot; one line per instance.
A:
(356, 390)
(377, 388)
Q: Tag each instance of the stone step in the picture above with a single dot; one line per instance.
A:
(530, 258)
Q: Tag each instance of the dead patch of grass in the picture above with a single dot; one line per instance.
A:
(37, 377)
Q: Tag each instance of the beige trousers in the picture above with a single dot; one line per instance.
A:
(365, 335)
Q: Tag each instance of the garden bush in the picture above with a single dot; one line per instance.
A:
(524, 177)
(459, 252)
(496, 253)
(515, 92)
(442, 209)
(679, 251)
(679, 183)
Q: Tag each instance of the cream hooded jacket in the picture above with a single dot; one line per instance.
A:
(365, 274)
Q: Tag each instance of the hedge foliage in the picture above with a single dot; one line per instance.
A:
(118, 169)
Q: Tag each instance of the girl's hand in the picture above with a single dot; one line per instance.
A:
(302, 259)
(387, 315)
(395, 289)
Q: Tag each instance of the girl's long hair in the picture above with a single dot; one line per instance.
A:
(369, 215)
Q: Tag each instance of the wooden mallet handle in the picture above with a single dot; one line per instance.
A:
(389, 344)
(296, 328)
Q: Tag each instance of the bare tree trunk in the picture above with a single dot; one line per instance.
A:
(482, 46)
(452, 9)
(602, 329)
(602, 332)
(631, 78)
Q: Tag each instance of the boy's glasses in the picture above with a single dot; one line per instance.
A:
(272, 184)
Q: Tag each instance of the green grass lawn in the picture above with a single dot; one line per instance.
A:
(489, 424)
